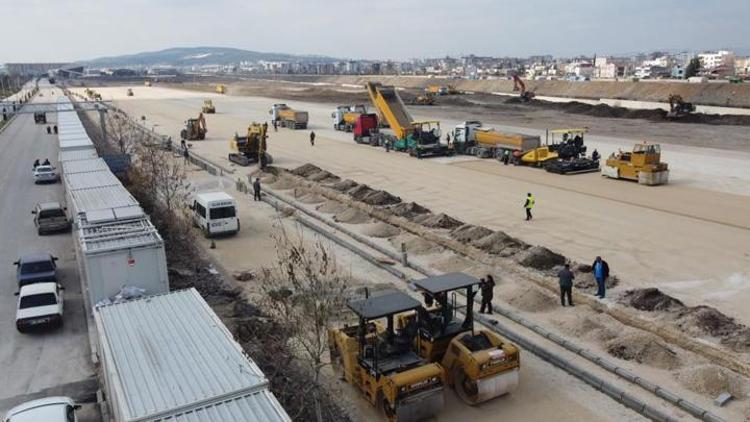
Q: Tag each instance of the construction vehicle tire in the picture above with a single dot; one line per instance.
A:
(183, 134)
(389, 413)
(465, 387)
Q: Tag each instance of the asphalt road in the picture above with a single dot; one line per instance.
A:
(58, 360)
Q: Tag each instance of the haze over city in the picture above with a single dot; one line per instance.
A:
(64, 31)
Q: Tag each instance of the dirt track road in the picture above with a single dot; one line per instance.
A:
(690, 238)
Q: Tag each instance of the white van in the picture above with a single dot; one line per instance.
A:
(215, 213)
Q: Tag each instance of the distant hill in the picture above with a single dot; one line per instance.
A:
(192, 56)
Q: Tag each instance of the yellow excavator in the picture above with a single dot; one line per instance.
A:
(479, 364)
(251, 148)
(208, 107)
(380, 360)
(643, 165)
(195, 129)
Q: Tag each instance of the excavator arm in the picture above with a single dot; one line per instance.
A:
(518, 84)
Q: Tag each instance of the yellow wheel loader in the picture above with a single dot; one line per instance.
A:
(208, 107)
(479, 364)
(380, 360)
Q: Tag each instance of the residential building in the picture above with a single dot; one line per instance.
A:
(712, 60)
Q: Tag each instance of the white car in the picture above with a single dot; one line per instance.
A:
(39, 305)
(45, 174)
(49, 409)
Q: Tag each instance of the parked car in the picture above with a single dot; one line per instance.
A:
(50, 217)
(45, 174)
(36, 268)
(48, 409)
(40, 305)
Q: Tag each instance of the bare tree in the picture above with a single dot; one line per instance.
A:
(122, 132)
(304, 291)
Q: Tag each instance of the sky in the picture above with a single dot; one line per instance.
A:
(68, 30)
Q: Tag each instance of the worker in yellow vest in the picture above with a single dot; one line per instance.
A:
(529, 204)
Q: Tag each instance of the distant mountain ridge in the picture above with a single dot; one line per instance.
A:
(196, 56)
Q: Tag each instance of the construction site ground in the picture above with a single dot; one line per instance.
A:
(689, 238)
(545, 392)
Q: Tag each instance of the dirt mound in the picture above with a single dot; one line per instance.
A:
(712, 380)
(306, 170)
(414, 245)
(311, 198)
(268, 178)
(344, 185)
(468, 233)
(452, 263)
(332, 207)
(380, 198)
(441, 221)
(579, 325)
(704, 320)
(409, 210)
(651, 299)
(352, 216)
(540, 258)
(381, 229)
(499, 243)
(532, 300)
(585, 279)
(323, 177)
(359, 192)
(643, 348)
(284, 183)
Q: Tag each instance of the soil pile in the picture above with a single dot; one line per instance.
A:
(586, 280)
(414, 245)
(579, 325)
(643, 348)
(441, 221)
(359, 192)
(311, 198)
(323, 177)
(540, 258)
(499, 243)
(381, 198)
(344, 185)
(468, 233)
(306, 170)
(331, 207)
(532, 300)
(713, 380)
(351, 216)
(409, 210)
(704, 320)
(651, 299)
(284, 183)
(381, 229)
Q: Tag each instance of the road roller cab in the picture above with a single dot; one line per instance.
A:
(479, 364)
(381, 362)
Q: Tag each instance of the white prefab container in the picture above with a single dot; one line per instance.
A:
(170, 358)
(120, 253)
(81, 154)
(100, 198)
(84, 166)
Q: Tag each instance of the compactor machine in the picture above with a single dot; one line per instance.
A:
(380, 360)
(208, 107)
(195, 129)
(479, 364)
(643, 165)
(251, 149)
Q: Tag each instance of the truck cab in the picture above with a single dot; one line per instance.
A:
(463, 135)
(215, 213)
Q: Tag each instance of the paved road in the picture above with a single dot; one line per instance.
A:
(33, 362)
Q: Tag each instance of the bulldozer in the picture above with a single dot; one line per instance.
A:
(643, 165)
(195, 129)
(251, 148)
(678, 107)
(481, 365)
(208, 107)
(427, 99)
(221, 89)
(380, 360)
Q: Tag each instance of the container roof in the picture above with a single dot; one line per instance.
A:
(84, 166)
(111, 235)
(81, 154)
(102, 197)
(95, 179)
(170, 356)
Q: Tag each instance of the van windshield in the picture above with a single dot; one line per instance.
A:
(43, 299)
(222, 212)
(37, 267)
(51, 213)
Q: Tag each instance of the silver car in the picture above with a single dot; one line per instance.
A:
(45, 174)
(50, 217)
